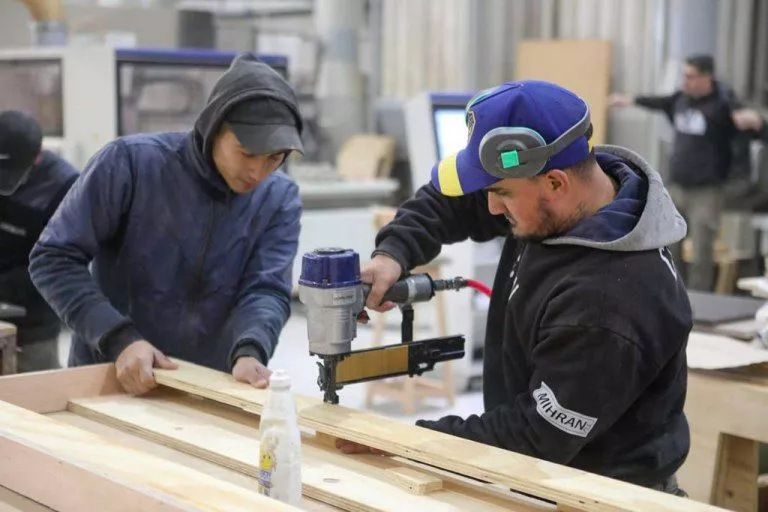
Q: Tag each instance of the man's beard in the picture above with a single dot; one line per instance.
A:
(549, 225)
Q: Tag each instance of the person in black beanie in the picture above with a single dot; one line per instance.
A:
(33, 181)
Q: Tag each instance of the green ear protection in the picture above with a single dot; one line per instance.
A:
(516, 152)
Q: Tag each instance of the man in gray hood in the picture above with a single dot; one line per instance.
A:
(192, 237)
(584, 360)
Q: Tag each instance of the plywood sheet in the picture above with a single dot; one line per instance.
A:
(229, 439)
(560, 484)
(583, 66)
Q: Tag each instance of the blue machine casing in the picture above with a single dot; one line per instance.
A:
(330, 268)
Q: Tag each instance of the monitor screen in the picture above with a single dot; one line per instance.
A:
(34, 86)
(161, 90)
(450, 130)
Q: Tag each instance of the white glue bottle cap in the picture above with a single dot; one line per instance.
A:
(280, 380)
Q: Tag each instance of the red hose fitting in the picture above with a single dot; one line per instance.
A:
(481, 287)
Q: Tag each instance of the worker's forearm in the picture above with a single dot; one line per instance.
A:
(65, 283)
(663, 103)
(429, 220)
(256, 322)
(263, 304)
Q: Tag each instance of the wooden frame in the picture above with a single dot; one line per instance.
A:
(67, 468)
(193, 413)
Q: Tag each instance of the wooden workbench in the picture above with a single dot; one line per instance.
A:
(70, 439)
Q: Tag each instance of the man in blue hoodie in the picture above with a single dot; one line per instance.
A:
(191, 237)
(584, 359)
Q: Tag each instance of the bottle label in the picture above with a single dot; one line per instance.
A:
(280, 465)
(267, 460)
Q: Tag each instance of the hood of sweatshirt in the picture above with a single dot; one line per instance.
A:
(246, 79)
(641, 217)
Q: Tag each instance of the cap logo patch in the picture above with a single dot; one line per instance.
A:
(470, 124)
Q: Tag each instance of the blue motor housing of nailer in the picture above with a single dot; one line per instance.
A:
(331, 289)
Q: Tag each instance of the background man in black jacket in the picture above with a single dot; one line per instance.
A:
(702, 156)
(33, 182)
(584, 360)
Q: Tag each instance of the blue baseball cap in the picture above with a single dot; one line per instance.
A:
(544, 107)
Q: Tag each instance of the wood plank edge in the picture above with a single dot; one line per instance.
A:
(413, 481)
(65, 485)
(49, 391)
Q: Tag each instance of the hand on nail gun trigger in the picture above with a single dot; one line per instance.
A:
(381, 273)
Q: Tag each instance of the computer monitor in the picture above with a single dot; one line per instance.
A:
(34, 86)
(435, 127)
(165, 90)
(450, 129)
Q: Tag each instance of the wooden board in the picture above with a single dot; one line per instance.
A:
(67, 468)
(159, 450)
(583, 66)
(230, 438)
(13, 502)
(563, 485)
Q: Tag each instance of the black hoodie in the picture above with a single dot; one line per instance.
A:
(584, 360)
(705, 136)
(23, 215)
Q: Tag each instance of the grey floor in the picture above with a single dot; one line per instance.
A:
(292, 355)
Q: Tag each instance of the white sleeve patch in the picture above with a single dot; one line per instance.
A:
(566, 420)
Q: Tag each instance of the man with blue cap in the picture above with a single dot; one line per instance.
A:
(584, 361)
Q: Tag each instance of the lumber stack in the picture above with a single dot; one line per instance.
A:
(71, 437)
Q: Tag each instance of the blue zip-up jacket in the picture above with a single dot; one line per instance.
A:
(178, 259)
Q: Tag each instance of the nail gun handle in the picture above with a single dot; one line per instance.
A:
(414, 288)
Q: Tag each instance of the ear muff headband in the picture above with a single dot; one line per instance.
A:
(516, 152)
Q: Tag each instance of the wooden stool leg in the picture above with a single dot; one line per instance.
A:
(378, 339)
(442, 330)
(728, 273)
(409, 395)
(736, 472)
(7, 348)
(409, 390)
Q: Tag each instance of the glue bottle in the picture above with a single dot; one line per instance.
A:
(280, 443)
